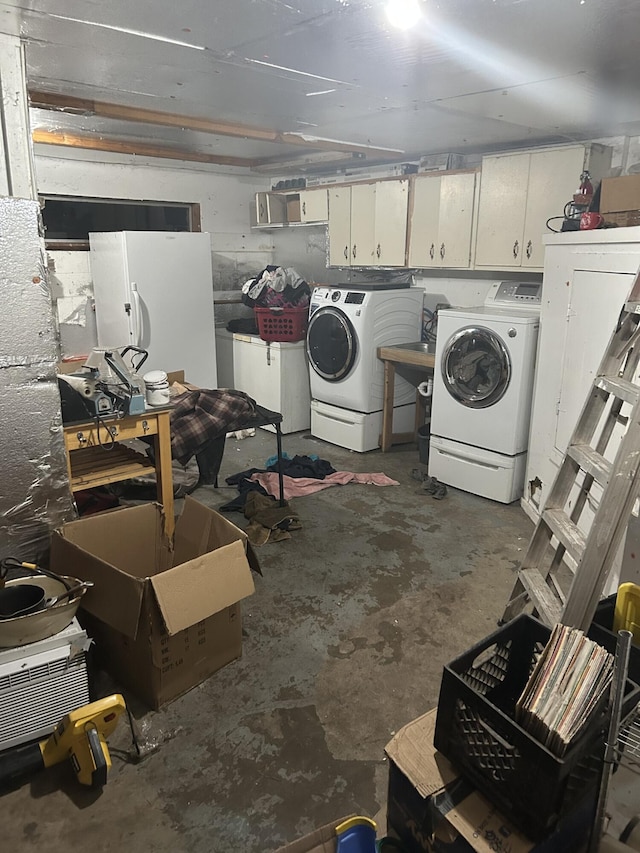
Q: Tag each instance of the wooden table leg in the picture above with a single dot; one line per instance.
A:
(164, 475)
(387, 406)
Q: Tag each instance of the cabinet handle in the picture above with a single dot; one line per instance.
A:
(516, 249)
(261, 215)
(353, 252)
(378, 250)
(529, 251)
(346, 253)
(432, 251)
(442, 250)
(304, 208)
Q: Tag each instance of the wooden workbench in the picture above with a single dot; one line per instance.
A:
(95, 456)
(391, 356)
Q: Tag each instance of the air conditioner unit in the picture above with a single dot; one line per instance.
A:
(40, 683)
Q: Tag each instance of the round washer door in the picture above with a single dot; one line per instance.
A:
(331, 344)
(476, 367)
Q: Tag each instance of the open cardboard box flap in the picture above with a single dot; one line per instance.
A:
(198, 530)
(87, 549)
(195, 590)
(411, 749)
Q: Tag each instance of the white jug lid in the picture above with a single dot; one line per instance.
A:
(155, 376)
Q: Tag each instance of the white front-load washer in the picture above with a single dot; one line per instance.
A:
(347, 324)
(482, 391)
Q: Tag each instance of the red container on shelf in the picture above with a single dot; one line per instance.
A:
(284, 325)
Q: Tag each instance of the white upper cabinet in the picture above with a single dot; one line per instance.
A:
(442, 220)
(391, 208)
(520, 192)
(368, 224)
(314, 205)
(340, 226)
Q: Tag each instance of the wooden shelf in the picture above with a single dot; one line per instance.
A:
(100, 466)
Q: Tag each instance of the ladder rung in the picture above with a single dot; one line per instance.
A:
(568, 533)
(591, 462)
(621, 388)
(545, 602)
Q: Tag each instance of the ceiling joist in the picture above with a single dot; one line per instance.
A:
(115, 146)
(62, 103)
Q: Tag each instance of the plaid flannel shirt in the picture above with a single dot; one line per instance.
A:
(200, 416)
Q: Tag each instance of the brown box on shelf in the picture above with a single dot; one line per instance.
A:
(620, 194)
(623, 219)
(163, 619)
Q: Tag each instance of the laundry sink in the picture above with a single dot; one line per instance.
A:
(418, 346)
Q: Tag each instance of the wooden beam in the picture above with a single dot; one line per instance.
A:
(51, 101)
(115, 146)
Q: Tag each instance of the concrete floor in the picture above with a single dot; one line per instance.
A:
(344, 643)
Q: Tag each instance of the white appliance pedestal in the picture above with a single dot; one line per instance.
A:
(476, 470)
(356, 430)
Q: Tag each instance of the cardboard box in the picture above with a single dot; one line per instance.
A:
(293, 210)
(323, 840)
(431, 809)
(620, 194)
(624, 219)
(163, 619)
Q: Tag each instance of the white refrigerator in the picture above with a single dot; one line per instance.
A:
(154, 289)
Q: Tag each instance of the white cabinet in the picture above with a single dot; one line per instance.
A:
(441, 220)
(368, 224)
(520, 192)
(271, 209)
(587, 277)
(276, 375)
(314, 205)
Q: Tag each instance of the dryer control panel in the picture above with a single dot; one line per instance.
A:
(521, 294)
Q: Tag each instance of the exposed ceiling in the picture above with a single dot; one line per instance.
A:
(255, 82)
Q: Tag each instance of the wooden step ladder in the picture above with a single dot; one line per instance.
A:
(560, 555)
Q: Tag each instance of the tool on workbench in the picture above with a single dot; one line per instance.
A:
(81, 736)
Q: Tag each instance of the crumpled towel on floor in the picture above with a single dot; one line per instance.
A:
(430, 485)
(299, 486)
(268, 521)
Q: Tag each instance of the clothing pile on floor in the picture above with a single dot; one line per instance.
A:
(259, 491)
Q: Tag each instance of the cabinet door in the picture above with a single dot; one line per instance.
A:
(362, 224)
(501, 213)
(340, 226)
(425, 214)
(390, 236)
(314, 206)
(262, 209)
(457, 194)
(554, 176)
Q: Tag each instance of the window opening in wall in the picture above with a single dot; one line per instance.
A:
(69, 220)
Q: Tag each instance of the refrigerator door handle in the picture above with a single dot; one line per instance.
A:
(137, 312)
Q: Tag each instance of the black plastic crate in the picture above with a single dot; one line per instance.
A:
(476, 731)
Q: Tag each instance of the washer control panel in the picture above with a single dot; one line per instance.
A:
(525, 294)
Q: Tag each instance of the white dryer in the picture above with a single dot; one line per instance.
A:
(482, 391)
(347, 324)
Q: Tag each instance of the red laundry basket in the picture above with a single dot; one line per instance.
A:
(282, 324)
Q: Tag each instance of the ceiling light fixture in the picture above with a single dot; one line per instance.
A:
(403, 14)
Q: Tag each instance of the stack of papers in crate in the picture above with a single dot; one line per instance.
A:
(566, 688)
